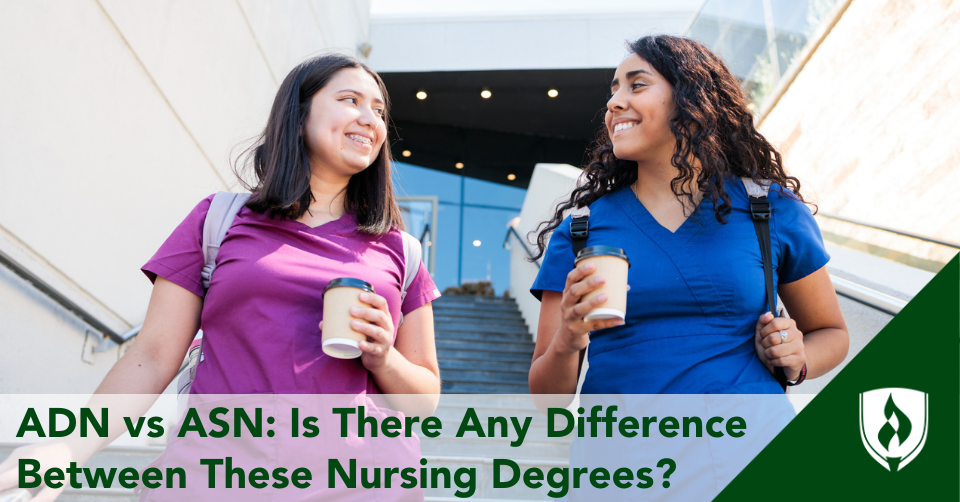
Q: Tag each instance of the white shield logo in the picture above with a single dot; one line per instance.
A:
(893, 425)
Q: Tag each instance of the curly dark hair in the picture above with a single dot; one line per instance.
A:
(711, 123)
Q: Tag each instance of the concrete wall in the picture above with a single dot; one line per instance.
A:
(502, 35)
(550, 185)
(871, 124)
(116, 118)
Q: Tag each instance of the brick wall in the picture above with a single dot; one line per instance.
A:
(871, 125)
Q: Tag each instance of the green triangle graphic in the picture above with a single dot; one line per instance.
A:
(820, 456)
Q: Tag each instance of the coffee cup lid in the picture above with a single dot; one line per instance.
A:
(349, 282)
(602, 251)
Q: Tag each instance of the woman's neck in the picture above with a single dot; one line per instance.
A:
(328, 196)
(654, 184)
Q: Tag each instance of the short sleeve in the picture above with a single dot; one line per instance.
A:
(557, 262)
(802, 251)
(180, 259)
(421, 291)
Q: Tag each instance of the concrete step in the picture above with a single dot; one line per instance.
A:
(448, 309)
(517, 377)
(508, 347)
(517, 337)
(508, 320)
(459, 313)
(481, 326)
(473, 299)
(475, 354)
(465, 387)
(485, 364)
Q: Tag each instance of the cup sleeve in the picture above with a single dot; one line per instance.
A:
(557, 262)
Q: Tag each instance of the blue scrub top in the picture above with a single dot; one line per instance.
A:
(695, 294)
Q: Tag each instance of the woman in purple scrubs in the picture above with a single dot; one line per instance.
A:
(322, 208)
(664, 185)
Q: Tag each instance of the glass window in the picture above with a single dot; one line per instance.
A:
(474, 252)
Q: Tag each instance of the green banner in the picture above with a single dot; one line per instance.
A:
(887, 427)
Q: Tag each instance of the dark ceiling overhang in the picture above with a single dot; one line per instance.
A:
(518, 127)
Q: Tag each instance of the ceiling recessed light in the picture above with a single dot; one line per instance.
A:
(458, 165)
(406, 153)
(476, 243)
(511, 177)
(552, 93)
(421, 95)
(485, 94)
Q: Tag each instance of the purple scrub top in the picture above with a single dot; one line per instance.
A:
(261, 313)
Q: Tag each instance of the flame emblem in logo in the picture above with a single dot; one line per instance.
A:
(888, 425)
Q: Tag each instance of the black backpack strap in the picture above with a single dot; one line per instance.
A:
(760, 213)
(579, 231)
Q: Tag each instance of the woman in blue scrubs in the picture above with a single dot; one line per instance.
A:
(664, 185)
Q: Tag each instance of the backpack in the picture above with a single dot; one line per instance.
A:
(223, 209)
(760, 213)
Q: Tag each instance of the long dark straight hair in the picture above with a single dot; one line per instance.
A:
(711, 122)
(281, 165)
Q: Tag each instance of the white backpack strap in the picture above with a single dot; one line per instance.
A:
(755, 189)
(412, 254)
(223, 209)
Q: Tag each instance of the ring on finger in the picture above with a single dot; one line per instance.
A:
(783, 336)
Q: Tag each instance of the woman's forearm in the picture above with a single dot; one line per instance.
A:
(825, 349)
(400, 376)
(137, 372)
(555, 372)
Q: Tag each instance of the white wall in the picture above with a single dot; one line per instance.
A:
(549, 185)
(429, 35)
(116, 118)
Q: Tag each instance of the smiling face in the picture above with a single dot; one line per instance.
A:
(639, 111)
(345, 127)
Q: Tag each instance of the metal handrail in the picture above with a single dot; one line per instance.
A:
(891, 230)
(869, 297)
(506, 242)
(65, 302)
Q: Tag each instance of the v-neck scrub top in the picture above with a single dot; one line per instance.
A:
(261, 312)
(695, 294)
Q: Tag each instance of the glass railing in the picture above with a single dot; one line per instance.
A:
(760, 39)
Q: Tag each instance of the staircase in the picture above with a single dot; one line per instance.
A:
(483, 345)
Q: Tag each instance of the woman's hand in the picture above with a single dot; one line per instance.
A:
(574, 332)
(775, 350)
(378, 328)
